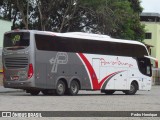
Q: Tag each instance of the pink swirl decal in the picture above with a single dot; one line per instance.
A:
(116, 62)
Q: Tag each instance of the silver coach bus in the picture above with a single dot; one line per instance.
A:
(64, 63)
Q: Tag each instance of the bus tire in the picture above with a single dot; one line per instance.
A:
(60, 88)
(34, 92)
(109, 92)
(74, 88)
(133, 89)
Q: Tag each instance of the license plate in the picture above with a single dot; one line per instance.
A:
(14, 77)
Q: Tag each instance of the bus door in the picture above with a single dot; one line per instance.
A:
(144, 66)
(96, 67)
(102, 72)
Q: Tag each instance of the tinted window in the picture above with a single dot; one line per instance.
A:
(144, 65)
(17, 39)
(54, 43)
(148, 35)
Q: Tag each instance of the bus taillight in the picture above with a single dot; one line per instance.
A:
(156, 63)
(30, 71)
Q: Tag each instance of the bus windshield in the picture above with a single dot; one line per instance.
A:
(144, 65)
(19, 40)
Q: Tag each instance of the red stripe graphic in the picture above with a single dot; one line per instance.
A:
(91, 72)
(96, 85)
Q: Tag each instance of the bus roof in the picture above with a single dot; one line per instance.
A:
(82, 35)
(110, 42)
(91, 36)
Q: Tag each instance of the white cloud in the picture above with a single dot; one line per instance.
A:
(151, 5)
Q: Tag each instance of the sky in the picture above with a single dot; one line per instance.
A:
(151, 6)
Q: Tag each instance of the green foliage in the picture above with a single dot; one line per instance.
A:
(135, 5)
(125, 21)
(117, 18)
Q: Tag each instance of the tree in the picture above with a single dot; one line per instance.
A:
(117, 18)
(138, 27)
(44, 8)
(22, 6)
(6, 11)
(135, 5)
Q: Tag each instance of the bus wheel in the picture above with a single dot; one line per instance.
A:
(60, 88)
(109, 92)
(74, 88)
(34, 92)
(133, 89)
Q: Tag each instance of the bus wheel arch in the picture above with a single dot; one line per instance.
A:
(74, 87)
(134, 86)
(61, 86)
(136, 83)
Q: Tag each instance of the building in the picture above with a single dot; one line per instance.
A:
(152, 35)
(4, 26)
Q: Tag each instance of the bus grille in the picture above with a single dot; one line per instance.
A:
(16, 62)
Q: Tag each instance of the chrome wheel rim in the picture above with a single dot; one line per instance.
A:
(60, 88)
(74, 88)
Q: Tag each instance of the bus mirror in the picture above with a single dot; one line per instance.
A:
(154, 59)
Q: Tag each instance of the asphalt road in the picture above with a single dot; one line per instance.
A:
(84, 101)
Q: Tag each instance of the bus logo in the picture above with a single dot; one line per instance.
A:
(61, 58)
(15, 39)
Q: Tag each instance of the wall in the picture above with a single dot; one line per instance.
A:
(154, 28)
(4, 27)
